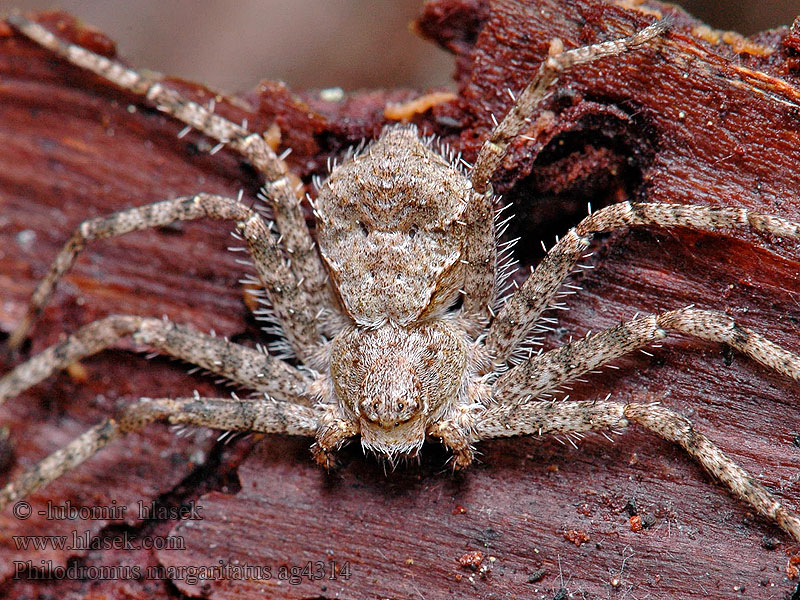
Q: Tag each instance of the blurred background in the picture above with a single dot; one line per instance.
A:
(232, 44)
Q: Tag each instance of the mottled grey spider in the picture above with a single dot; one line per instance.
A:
(396, 315)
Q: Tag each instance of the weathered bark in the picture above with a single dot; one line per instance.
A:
(691, 120)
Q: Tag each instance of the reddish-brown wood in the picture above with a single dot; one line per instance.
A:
(691, 120)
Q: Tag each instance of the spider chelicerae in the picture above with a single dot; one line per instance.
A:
(394, 320)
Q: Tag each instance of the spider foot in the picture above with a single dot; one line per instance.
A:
(455, 439)
(324, 457)
(330, 438)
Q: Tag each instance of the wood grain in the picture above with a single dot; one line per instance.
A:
(695, 119)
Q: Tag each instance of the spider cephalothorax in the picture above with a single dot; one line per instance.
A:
(396, 315)
(394, 381)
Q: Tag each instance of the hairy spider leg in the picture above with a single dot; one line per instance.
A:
(262, 415)
(309, 279)
(480, 284)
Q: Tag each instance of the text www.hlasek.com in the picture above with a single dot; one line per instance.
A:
(85, 541)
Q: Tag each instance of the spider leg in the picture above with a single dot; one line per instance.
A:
(574, 417)
(290, 303)
(250, 368)
(287, 210)
(481, 252)
(549, 370)
(526, 105)
(480, 272)
(515, 320)
(262, 415)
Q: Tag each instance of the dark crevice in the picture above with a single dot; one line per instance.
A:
(599, 160)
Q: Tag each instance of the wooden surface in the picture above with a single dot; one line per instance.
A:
(690, 120)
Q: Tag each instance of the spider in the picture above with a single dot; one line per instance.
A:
(394, 324)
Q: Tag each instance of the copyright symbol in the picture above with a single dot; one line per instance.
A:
(22, 510)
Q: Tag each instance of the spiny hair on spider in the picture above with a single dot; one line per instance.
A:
(395, 317)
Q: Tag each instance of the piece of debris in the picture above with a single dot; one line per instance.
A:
(536, 576)
(406, 110)
(636, 523)
(471, 560)
(576, 536)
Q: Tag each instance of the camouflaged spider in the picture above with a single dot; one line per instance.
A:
(396, 316)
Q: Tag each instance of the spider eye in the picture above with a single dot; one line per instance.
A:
(401, 406)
